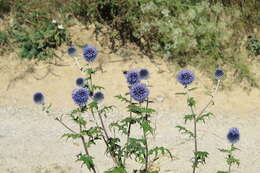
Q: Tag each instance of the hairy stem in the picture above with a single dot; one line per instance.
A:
(195, 134)
(128, 131)
(145, 139)
(86, 148)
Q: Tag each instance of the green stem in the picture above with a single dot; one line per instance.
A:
(128, 131)
(195, 134)
(229, 167)
(145, 139)
(86, 148)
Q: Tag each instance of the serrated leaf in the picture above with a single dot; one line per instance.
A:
(189, 117)
(185, 131)
(181, 93)
(192, 89)
(123, 99)
(71, 135)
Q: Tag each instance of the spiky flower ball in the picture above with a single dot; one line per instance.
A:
(98, 97)
(132, 77)
(90, 53)
(233, 135)
(139, 92)
(80, 96)
(72, 51)
(144, 74)
(185, 77)
(38, 98)
(80, 82)
(219, 73)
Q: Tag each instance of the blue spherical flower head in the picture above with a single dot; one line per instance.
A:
(219, 73)
(72, 51)
(144, 74)
(139, 92)
(80, 96)
(233, 135)
(80, 82)
(90, 53)
(185, 77)
(38, 98)
(98, 97)
(132, 77)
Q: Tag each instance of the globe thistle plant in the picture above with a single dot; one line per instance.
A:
(219, 74)
(185, 77)
(80, 82)
(98, 97)
(139, 92)
(80, 96)
(90, 53)
(38, 98)
(144, 74)
(132, 77)
(233, 135)
(72, 51)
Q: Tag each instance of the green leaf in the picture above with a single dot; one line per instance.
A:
(71, 135)
(155, 151)
(96, 87)
(203, 116)
(116, 170)
(140, 110)
(192, 89)
(185, 131)
(191, 102)
(189, 117)
(147, 127)
(222, 172)
(87, 160)
(123, 99)
(182, 93)
(232, 160)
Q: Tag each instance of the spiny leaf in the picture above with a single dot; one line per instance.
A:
(192, 89)
(123, 99)
(185, 131)
(71, 135)
(191, 102)
(87, 160)
(189, 117)
(203, 116)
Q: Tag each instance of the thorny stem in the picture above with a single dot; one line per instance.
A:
(129, 129)
(81, 136)
(195, 134)
(145, 139)
(229, 167)
(85, 148)
(112, 153)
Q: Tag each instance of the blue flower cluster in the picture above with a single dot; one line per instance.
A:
(72, 51)
(132, 77)
(233, 135)
(80, 96)
(80, 82)
(90, 53)
(98, 97)
(219, 73)
(139, 92)
(185, 77)
(144, 74)
(38, 98)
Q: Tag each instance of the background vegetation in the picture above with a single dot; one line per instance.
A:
(203, 33)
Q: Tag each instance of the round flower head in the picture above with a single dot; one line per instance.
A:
(80, 96)
(132, 77)
(72, 51)
(90, 53)
(80, 82)
(219, 73)
(139, 92)
(144, 74)
(233, 135)
(98, 97)
(185, 77)
(38, 98)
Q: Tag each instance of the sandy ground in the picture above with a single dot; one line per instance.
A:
(30, 141)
